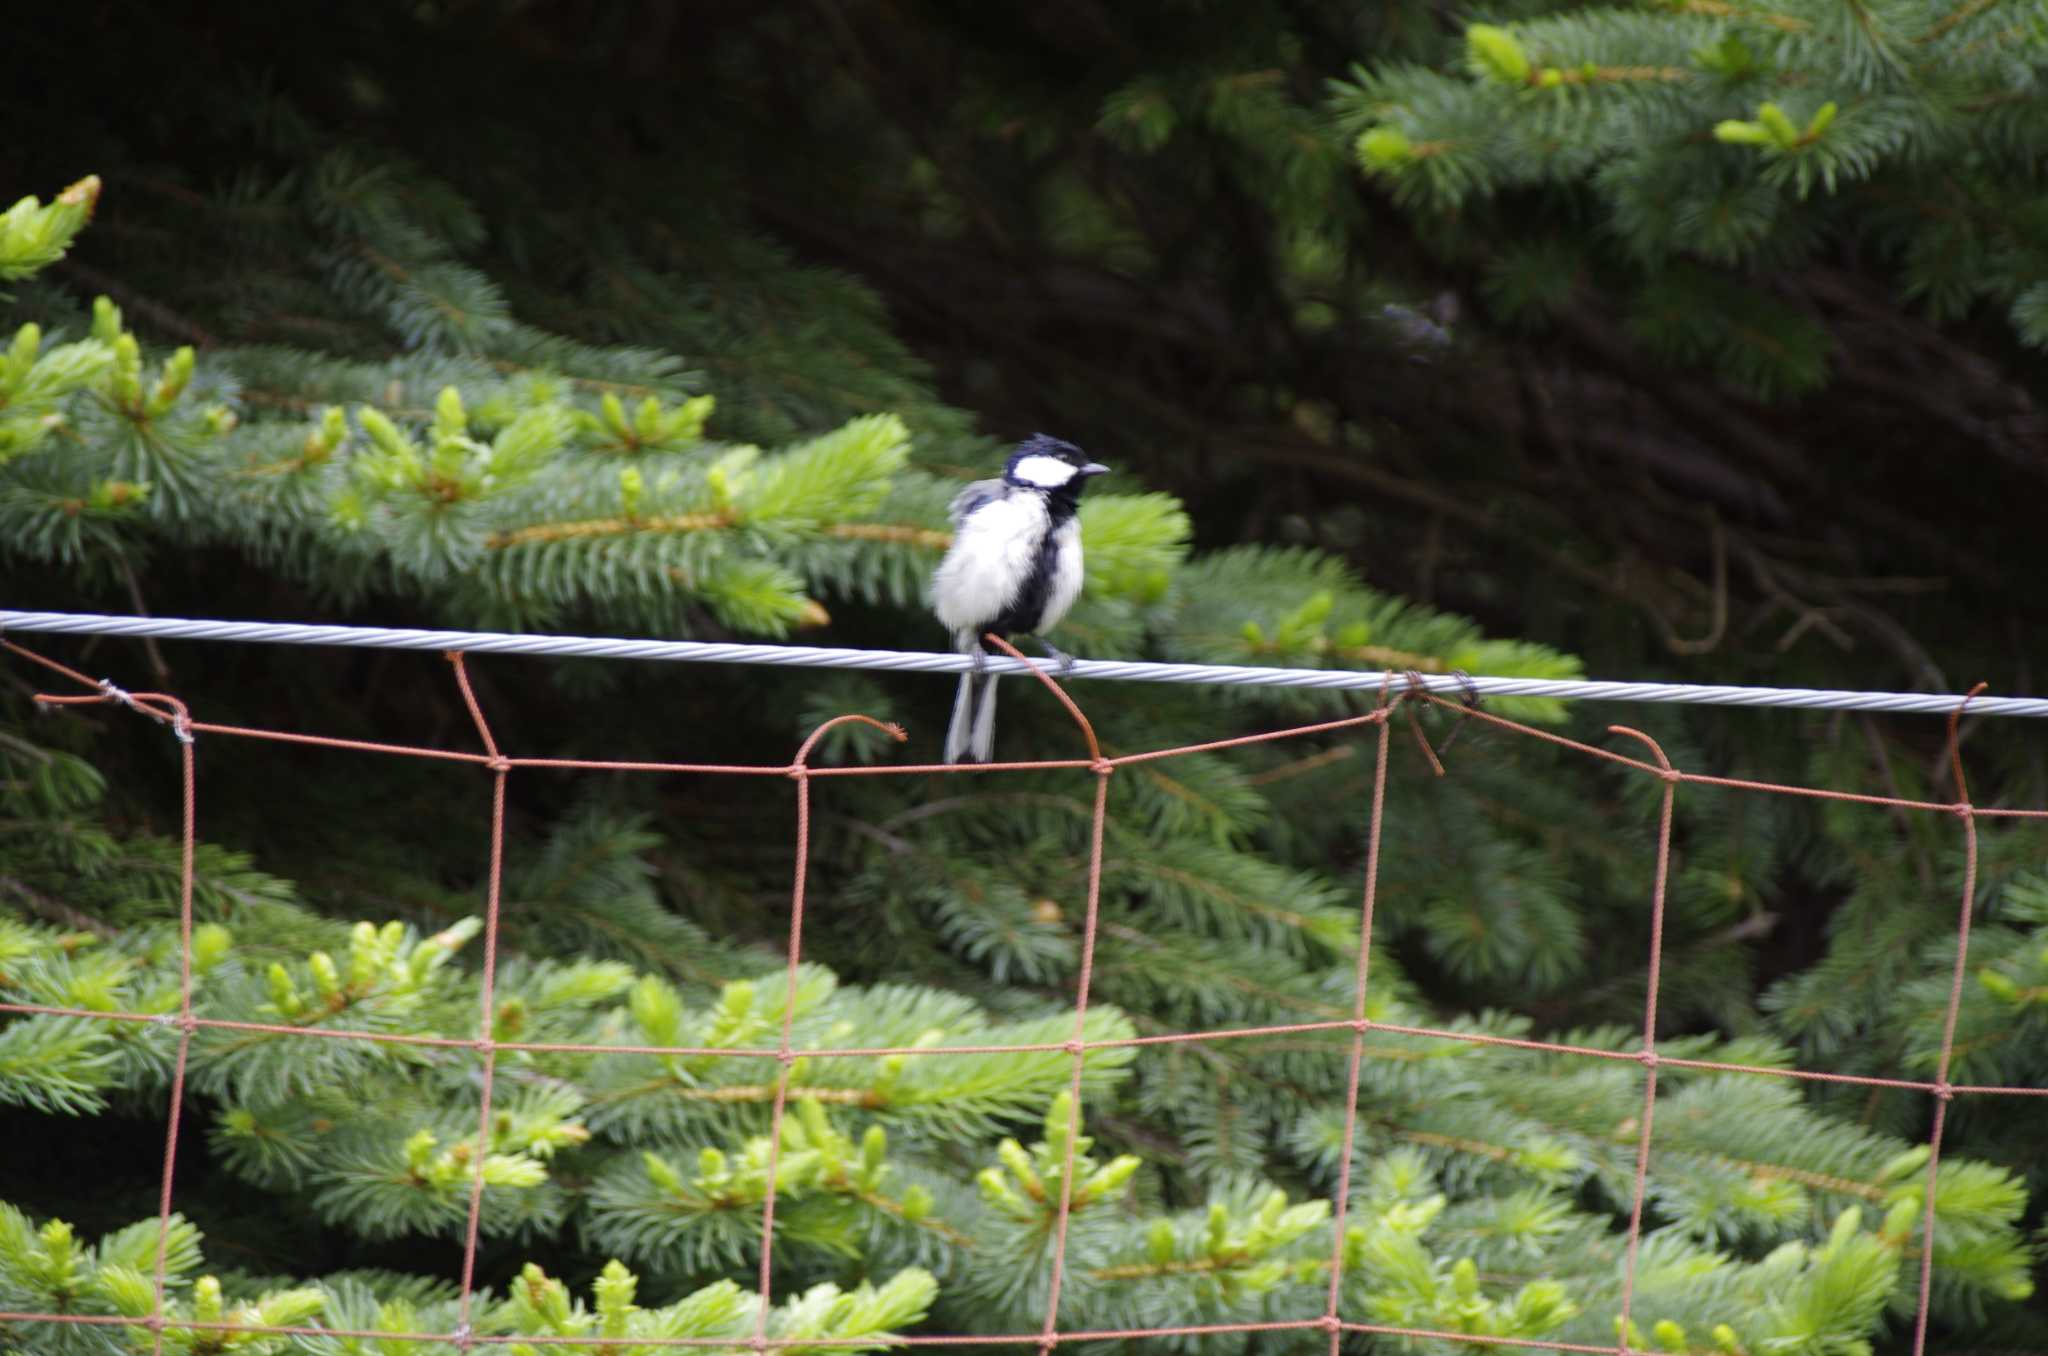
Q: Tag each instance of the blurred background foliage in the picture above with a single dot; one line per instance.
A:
(1690, 340)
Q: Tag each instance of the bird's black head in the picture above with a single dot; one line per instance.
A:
(1045, 463)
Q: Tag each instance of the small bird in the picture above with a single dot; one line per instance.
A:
(1014, 569)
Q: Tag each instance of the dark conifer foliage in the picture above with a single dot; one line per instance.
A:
(1694, 340)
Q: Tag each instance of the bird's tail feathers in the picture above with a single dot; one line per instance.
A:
(971, 734)
(983, 745)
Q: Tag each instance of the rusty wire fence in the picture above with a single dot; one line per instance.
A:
(1395, 697)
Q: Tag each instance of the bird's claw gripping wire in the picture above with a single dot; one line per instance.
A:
(1063, 663)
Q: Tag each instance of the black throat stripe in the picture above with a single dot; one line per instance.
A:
(1026, 612)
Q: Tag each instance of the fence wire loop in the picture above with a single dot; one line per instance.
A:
(172, 712)
(1417, 691)
(801, 763)
(1087, 730)
(1664, 768)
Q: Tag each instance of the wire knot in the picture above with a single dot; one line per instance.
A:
(1945, 1091)
(116, 694)
(1074, 1047)
(1102, 767)
(181, 728)
(1649, 1059)
(1329, 1323)
(1361, 1025)
(498, 763)
(1962, 809)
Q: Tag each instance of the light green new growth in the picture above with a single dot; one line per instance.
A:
(445, 456)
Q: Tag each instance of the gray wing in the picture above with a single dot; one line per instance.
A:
(973, 496)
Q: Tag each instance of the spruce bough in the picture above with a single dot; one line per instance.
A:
(487, 472)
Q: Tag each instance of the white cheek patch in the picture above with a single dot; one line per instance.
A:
(1045, 473)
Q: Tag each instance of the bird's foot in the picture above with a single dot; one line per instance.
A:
(1063, 663)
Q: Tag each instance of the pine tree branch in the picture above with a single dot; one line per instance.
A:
(609, 527)
(1315, 762)
(158, 669)
(1205, 886)
(930, 1223)
(1142, 941)
(56, 910)
(1478, 1148)
(1722, 9)
(743, 1092)
(1195, 1266)
(164, 316)
(1820, 1181)
(904, 534)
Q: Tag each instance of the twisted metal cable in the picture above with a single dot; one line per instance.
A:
(907, 661)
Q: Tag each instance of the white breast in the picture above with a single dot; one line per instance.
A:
(991, 557)
(1066, 574)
